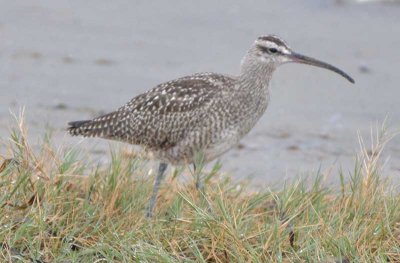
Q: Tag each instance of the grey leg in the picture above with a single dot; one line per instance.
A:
(160, 176)
(200, 186)
(199, 180)
(198, 165)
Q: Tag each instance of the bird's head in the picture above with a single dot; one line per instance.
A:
(273, 51)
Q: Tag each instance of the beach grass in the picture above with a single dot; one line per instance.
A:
(56, 206)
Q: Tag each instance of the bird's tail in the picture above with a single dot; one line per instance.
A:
(83, 128)
(105, 126)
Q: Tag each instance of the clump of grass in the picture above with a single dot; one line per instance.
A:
(55, 206)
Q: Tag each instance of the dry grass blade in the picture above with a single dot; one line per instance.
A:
(76, 211)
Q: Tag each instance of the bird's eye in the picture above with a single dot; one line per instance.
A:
(272, 50)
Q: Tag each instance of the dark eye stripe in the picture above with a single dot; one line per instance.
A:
(263, 49)
(268, 50)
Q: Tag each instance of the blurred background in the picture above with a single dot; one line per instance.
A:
(72, 60)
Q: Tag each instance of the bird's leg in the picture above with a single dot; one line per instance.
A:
(198, 165)
(199, 180)
(160, 176)
(200, 185)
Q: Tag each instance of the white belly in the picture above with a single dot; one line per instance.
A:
(229, 139)
(184, 152)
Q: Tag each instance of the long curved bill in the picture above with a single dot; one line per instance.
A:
(295, 57)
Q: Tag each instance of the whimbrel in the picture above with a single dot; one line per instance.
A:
(204, 112)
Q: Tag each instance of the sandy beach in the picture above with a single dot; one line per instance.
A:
(72, 60)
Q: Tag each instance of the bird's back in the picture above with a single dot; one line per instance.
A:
(162, 117)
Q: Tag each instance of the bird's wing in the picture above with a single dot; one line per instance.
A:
(160, 117)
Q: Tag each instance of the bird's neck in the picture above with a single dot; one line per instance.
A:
(255, 76)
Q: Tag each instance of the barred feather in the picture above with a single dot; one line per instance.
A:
(207, 111)
(161, 117)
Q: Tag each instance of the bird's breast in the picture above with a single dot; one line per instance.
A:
(250, 111)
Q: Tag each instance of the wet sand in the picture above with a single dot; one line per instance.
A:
(71, 60)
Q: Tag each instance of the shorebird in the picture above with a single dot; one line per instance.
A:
(205, 112)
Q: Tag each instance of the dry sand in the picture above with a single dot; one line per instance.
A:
(70, 60)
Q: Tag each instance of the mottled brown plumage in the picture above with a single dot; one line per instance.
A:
(166, 116)
(204, 112)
